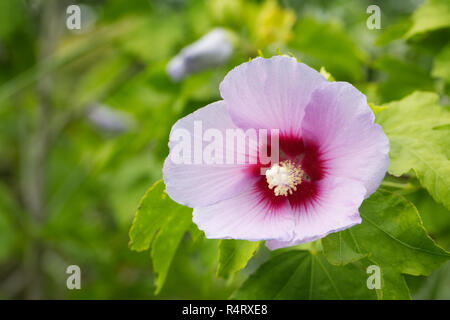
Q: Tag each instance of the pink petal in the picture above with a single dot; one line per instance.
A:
(246, 216)
(204, 184)
(340, 122)
(335, 209)
(270, 93)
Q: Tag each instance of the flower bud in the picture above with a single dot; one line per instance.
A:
(108, 119)
(211, 50)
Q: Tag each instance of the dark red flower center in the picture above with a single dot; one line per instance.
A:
(307, 157)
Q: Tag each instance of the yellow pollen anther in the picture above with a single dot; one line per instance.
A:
(284, 177)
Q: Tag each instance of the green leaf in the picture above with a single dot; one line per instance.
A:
(196, 233)
(436, 286)
(376, 109)
(150, 216)
(394, 32)
(326, 74)
(140, 42)
(402, 78)
(432, 15)
(166, 243)
(441, 65)
(435, 217)
(346, 61)
(160, 224)
(393, 237)
(418, 132)
(392, 233)
(342, 248)
(393, 284)
(301, 275)
(234, 255)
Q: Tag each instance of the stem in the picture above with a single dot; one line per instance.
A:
(34, 184)
(398, 185)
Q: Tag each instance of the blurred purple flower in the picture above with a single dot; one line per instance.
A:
(211, 50)
(108, 119)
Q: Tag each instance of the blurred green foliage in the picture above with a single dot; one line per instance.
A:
(69, 187)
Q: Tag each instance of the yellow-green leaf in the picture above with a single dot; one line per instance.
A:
(234, 255)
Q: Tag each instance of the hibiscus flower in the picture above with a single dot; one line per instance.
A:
(330, 156)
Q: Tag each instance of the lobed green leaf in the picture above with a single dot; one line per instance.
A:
(393, 237)
(302, 275)
(432, 15)
(234, 255)
(159, 224)
(418, 132)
